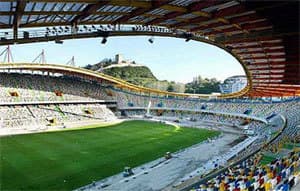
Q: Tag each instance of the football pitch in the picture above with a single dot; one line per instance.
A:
(67, 160)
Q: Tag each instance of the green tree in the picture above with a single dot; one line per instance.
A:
(202, 86)
(170, 88)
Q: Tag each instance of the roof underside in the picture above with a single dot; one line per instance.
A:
(264, 35)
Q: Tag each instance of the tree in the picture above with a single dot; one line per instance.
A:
(202, 86)
(170, 88)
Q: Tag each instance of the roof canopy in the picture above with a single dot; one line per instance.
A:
(264, 36)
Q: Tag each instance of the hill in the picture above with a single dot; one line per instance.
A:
(126, 70)
(134, 73)
(141, 75)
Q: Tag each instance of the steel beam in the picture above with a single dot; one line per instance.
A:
(21, 4)
(253, 37)
(88, 10)
(166, 17)
(139, 11)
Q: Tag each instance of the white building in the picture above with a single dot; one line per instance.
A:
(233, 84)
(121, 62)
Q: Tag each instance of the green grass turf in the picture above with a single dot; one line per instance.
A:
(43, 161)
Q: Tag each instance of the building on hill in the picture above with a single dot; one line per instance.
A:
(121, 62)
(233, 84)
(108, 63)
(119, 58)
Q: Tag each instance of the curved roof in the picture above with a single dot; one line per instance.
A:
(264, 36)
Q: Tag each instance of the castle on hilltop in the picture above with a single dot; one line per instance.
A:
(121, 62)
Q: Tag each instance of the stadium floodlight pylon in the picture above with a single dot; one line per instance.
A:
(71, 62)
(41, 58)
(7, 58)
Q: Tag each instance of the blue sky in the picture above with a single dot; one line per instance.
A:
(168, 58)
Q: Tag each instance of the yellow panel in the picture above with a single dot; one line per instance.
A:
(129, 3)
(223, 20)
(201, 13)
(174, 8)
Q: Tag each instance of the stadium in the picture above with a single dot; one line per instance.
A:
(64, 127)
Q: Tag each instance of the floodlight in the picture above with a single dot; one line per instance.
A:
(151, 40)
(104, 40)
(57, 41)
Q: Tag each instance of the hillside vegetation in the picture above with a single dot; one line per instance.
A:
(139, 75)
(143, 76)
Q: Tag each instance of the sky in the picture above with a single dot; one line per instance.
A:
(169, 58)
